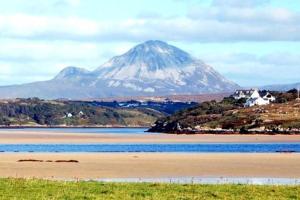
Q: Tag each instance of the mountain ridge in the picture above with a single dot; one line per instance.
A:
(281, 87)
(151, 68)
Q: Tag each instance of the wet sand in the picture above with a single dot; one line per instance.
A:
(31, 137)
(149, 165)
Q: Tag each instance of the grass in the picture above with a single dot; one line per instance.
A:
(20, 189)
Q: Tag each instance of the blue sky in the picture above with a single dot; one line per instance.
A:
(252, 42)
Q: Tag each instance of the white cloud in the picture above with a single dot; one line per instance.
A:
(202, 25)
(72, 3)
(253, 70)
(24, 61)
(50, 7)
(248, 16)
(278, 59)
(239, 3)
(27, 51)
(43, 28)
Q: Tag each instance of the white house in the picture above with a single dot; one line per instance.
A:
(254, 98)
(269, 97)
(256, 102)
(246, 94)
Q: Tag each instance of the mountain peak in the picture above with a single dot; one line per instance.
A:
(158, 67)
(153, 55)
(153, 68)
(71, 72)
(155, 42)
(158, 48)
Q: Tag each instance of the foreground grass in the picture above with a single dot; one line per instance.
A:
(39, 189)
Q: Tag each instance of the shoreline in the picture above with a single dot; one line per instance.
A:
(230, 132)
(199, 132)
(67, 127)
(149, 165)
(48, 137)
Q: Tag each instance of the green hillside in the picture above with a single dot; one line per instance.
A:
(36, 112)
(229, 115)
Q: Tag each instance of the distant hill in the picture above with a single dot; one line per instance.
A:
(153, 68)
(36, 112)
(281, 87)
(165, 107)
(175, 98)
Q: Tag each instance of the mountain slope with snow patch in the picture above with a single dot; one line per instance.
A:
(153, 68)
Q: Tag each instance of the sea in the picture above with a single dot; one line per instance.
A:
(136, 147)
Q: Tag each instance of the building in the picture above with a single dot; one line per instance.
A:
(269, 97)
(246, 94)
(256, 102)
(254, 97)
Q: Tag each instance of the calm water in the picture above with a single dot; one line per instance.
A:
(83, 130)
(201, 148)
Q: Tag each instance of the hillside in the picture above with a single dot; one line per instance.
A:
(153, 68)
(36, 112)
(230, 116)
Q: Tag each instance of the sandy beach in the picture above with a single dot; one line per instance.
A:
(150, 165)
(145, 165)
(31, 137)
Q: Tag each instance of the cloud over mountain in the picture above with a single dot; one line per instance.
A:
(45, 36)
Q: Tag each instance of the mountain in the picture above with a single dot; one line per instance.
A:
(282, 87)
(153, 68)
(71, 72)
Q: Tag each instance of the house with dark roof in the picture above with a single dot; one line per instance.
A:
(254, 97)
(246, 94)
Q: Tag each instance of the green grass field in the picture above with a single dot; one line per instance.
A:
(39, 189)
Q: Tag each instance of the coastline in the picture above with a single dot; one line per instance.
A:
(67, 127)
(233, 132)
(149, 165)
(184, 132)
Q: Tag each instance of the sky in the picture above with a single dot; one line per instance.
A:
(251, 42)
